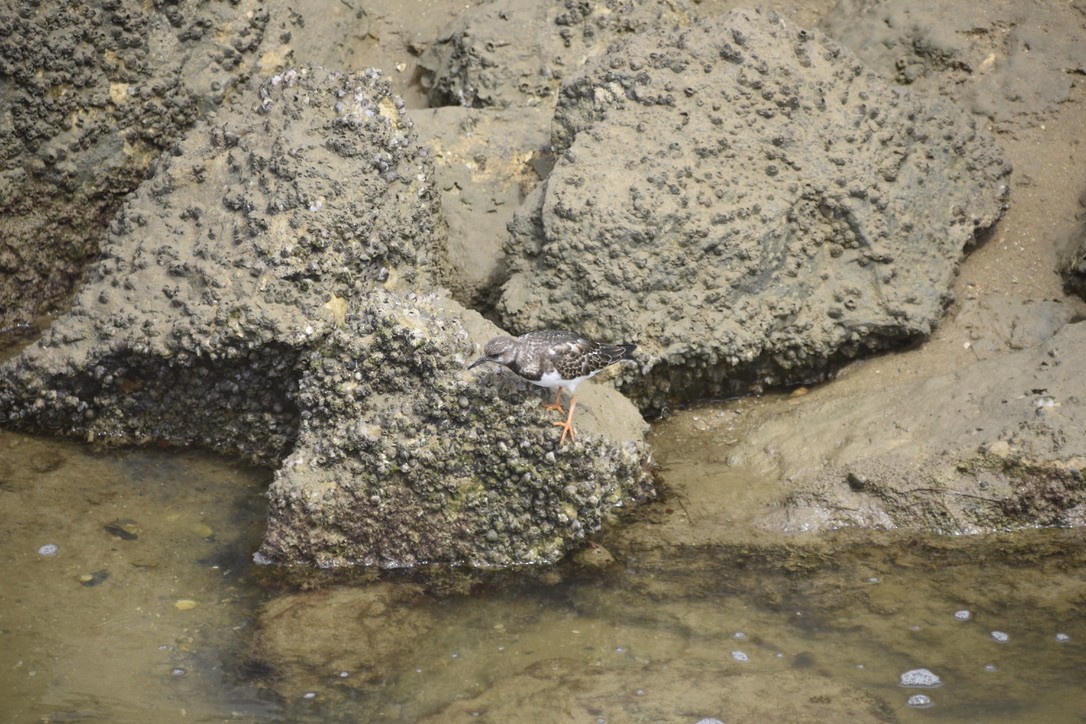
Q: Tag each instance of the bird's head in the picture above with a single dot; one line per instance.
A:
(500, 350)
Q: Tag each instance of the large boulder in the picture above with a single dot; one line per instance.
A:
(404, 457)
(90, 96)
(749, 203)
(270, 291)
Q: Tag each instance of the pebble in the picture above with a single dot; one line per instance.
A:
(49, 549)
(963, 615)
(185, 604)
(920, 701)
(1062, 638)
(740, 656)
(1000, 637)
(710, 720)
(309, 695)
(920, 679)
(990, 668)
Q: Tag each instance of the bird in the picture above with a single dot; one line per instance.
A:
(555, 359)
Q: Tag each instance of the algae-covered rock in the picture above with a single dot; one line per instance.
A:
(751, 205)
(404, 457)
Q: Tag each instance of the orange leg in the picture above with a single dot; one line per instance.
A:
(557, 404)
(567, 426)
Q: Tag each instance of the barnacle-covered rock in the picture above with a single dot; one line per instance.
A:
(405, 457)
(516, 52)
(91, 94)
(750, 204)
(225, 266)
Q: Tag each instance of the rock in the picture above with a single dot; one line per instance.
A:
(751, 205)
(391, 470)
(1004, 448)
(1073, 263)
(91, 96)
(217, 273)
(1003, 61)
(278, 277)
(483, 170)
(516, 52)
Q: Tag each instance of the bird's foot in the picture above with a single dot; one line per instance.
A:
(554, 406)
(567, 429)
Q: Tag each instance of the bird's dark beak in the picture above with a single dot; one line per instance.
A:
(478, 362)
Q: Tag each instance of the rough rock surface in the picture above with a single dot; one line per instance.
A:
(405, 458)
(1001, 59)
(750, 204)
(1073, 263)
(268, 277)
(89, 97)
(215, 273)
(517, 52)
(1000, 444)
(483, 161)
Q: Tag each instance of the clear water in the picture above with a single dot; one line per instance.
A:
(150, 609)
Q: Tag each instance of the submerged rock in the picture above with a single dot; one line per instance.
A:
(271, 291)
(751, 205)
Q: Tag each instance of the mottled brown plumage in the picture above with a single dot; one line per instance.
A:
(555, 359)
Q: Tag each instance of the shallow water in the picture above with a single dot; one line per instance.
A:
(150, 608)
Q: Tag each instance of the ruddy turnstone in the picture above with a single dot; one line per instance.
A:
(555, 359)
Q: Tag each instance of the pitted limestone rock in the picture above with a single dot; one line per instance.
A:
(749, 204)
(404, 457)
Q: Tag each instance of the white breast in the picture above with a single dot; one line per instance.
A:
(554, 380)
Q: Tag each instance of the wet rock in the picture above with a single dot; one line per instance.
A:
(91, 96)
(1003, 61)
(300, 637)
(517, 52)
(751, 205)
(1004, 448)
(123, 528)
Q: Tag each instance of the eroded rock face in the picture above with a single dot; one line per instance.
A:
(1073, 262)
(90, 96)
(751, 205)
(270, 292)
(517, 52)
